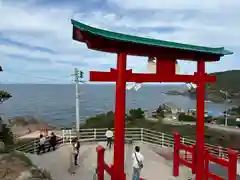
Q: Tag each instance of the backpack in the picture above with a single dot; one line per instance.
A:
(140, 164)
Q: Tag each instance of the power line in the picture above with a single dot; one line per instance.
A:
(79, 78)
(28, 75)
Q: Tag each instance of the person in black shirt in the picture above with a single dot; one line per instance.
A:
(52, 142)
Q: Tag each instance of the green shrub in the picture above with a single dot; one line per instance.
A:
(230, 121)
(212, 136)
(136, 113)
(6, 135)
(186, 118)
(104, 120)
(5, 94)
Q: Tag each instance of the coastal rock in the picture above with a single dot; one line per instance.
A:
(11, 166)
(22, 125)
(35, 174)
(17, 166)
(173, 92)
(40, 174)
(192, 94)
(26, 175)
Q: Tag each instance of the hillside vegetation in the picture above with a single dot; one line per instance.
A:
(135, 119)
(226, 81)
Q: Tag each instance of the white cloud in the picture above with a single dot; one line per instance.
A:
(37, 26)
(175, 4)
(210, 23)
(214, 22)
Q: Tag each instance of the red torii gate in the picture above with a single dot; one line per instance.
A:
(166, 53)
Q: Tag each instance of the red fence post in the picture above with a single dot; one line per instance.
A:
(232, 167)
(194, 159)
(206, 164)
(176, 155)
(100, 162)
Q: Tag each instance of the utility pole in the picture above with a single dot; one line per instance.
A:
(226, 109)
(1, 100)
(78, 75)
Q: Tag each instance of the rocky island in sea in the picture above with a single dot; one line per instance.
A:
(227, 81)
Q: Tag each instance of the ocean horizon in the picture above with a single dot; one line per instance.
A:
(55, 103)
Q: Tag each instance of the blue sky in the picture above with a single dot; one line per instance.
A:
(36, 43)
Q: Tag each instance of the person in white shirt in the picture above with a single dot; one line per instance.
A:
(42, 142)
(74, 156)
(137, 163)
(238, 168)
(109, 136)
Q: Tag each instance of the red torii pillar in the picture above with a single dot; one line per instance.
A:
(165, 72)
(200, 120)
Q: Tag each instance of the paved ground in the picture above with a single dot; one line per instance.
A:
(58, 163)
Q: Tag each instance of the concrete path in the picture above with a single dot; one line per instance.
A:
(157, 167)
(58, 163)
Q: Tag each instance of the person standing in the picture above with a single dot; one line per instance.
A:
(74, 156)
(238, 168)
(42, 142)
(76, 149)
(52, 142)
(109, 136)
(137, 163)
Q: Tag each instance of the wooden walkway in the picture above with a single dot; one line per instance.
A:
(58, 163)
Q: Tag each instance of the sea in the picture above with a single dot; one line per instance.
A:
(55, 104)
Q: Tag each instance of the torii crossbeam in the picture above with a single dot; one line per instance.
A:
(167, 53)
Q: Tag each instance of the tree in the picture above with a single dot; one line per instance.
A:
(4, 95)
(6, 136)
(104, 120)
(233, 111)
(136, 113)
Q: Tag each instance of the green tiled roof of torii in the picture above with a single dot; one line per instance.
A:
(147, 41)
